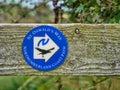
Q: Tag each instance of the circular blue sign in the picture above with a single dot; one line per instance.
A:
(44, 48)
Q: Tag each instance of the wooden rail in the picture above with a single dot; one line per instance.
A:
(94, 49)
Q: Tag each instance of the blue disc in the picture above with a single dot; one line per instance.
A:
(44, 48)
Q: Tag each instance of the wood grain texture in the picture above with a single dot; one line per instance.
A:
(94, 49)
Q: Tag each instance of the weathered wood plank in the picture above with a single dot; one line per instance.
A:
(94, 49)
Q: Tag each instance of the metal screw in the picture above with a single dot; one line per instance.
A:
(77, 31)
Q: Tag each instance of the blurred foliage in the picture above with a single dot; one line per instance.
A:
(83, 11)
(67, 82)
(25, 12)
(94, 11)
(80, 11)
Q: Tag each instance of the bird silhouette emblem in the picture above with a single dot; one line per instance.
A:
(43, 51)
(44, 47)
